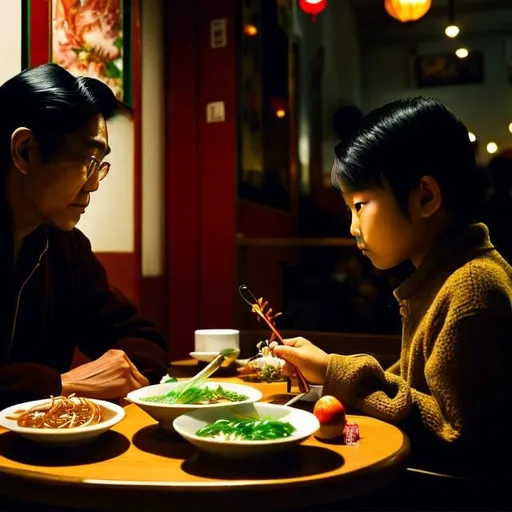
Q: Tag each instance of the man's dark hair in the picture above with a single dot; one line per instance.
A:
(405, 140)
(52, 103)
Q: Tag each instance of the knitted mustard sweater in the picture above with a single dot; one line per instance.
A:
(451, 388)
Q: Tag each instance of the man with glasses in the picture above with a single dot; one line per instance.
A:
(55, 294)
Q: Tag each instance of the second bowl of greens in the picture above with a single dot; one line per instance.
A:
(251, 430)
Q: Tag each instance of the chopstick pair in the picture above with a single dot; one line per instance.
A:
(258, 307)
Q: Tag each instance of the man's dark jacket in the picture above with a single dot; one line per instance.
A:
(57, 298)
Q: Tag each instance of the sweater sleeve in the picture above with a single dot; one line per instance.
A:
(465, 384)
(394, 368)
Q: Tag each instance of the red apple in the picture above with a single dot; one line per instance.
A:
(332, 417)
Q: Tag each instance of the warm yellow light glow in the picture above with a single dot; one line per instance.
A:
(452, 31)
(251, 30)
(407, 10)
(281, 112)
(472, 136)
(510, 127)
(492, 147)
(462, 53)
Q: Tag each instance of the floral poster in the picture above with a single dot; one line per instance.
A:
(87, 39)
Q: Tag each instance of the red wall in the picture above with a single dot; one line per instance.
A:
(200, 170)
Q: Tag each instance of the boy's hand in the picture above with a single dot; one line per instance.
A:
(300, 352)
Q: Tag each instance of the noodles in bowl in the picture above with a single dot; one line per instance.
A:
(60, 412)
(61, 420)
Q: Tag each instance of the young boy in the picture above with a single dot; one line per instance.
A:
(411, 185)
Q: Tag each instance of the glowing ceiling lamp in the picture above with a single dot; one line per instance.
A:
(452, 31)
(492, 147)
(462, 53)
(407, 10)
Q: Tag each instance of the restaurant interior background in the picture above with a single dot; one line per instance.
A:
(221, 164)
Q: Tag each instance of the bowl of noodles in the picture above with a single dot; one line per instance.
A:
(61, 420)
(164, 403)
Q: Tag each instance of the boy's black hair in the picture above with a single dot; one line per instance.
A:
(405, 140)
(52, 103)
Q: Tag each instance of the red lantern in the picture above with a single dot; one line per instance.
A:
(313, 7)
(407, 10)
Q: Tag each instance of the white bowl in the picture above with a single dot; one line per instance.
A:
(165, 414)
(113, 414)
(304, 422)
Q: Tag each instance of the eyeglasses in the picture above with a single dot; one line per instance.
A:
(96, 167)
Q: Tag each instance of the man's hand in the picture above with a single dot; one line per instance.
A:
(111, 376)
(300, 352)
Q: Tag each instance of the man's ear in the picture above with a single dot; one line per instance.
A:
(22, 141)
(427, 198)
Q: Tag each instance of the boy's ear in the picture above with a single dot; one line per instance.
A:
(427, 197)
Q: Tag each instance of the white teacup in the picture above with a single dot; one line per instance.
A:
(213, 340)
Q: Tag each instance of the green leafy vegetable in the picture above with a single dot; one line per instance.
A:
(247, 429)
(199, 396)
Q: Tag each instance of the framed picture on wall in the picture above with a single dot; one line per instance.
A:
(86, 37)
(448, 69)
(92, 38)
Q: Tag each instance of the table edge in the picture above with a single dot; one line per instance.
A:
(388, 464)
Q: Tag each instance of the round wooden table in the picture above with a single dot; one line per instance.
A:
(136, 466)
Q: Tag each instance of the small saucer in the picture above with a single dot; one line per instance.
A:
(206, 357)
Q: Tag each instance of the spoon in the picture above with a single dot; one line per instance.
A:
(296, 398)
(224, 359)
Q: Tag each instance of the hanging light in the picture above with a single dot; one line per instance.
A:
(407, 10)
(452, 31)
(279, 106)
(251, 30)
(462, 53)
(492, 147)
(313, 7)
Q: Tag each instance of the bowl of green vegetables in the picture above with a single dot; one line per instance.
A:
(249, 430)
(165, 402)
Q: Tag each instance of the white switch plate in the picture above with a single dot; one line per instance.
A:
(215, 112)
(219, 33)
